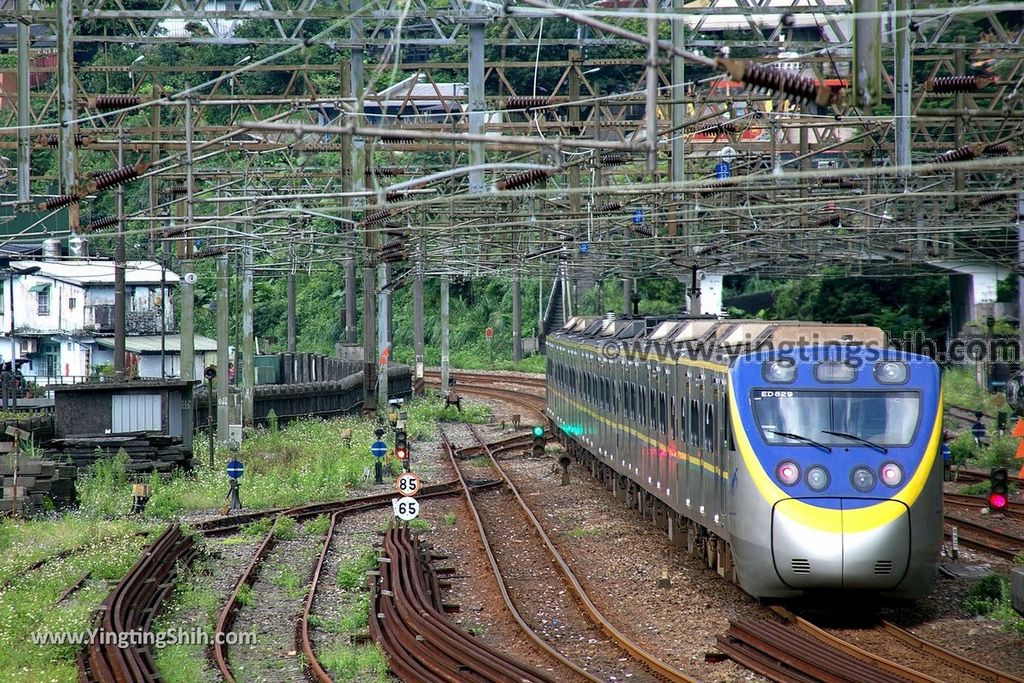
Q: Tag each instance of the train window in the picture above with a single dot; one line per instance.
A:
(694, 423)
(728, 443)
(710, 428)
(682, 421)
(672, 418)
(662, 413)
(653, 407)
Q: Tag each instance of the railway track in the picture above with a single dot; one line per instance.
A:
(658, 668)
(518, 390)
(964, 416)
(421, 643)
(799, 651)
(981, 537)
(136, 599)
(959, 500)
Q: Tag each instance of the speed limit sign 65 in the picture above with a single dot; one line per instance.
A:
(408, 484)
(406, 508)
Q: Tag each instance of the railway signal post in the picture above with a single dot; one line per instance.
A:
(235, 469)
(999, 489)
(379, 449)
(402, 448)
(538, 441)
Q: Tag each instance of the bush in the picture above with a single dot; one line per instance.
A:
(986, 595)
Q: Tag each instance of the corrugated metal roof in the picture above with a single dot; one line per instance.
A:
(151, 343)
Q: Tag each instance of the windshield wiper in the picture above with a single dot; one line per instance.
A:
(861, 439)
(799, 437)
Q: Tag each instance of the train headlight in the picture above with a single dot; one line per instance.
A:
(834, 372)
(863, 479)
(891, 372)
(788, 472)
(892, 474)
(817, 478)
(782, 370)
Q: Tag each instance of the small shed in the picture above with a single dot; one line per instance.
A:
(120, 407)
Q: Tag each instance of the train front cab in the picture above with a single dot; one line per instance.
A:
(791, 540)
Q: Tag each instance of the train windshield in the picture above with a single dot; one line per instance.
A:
(886, 418)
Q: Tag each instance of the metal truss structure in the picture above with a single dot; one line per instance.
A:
(267, 124)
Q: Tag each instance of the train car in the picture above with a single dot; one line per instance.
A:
(798, 458)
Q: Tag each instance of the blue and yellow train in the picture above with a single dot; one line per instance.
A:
(797, 458)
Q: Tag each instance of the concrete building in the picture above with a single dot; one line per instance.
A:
(60, 308)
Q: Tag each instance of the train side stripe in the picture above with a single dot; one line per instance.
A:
(674, 452)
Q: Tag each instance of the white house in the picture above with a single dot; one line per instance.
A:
(61, 307)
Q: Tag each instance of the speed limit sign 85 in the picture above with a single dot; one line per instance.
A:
(406, 508)
(408, 484)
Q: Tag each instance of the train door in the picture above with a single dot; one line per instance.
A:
(697, 442)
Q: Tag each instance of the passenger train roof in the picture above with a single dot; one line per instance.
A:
(728, 337)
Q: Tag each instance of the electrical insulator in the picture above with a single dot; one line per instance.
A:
(955, 84)
(999, 150)
(122, 175)
(378, 215)
(107, 102)
(718, 129)
(989, 199)
(175, 231)
(615, 159)
(210, 252)
(965, 153)
(177, 190)
(841, 182)
(99, 224)
(388, 171)
(835, 221)
(59, 202)
(53, 140)
(642, 229)
(393, 250)
(522, 179)
(715, 187)
(526, 102)
(771, 79)
(610, 206)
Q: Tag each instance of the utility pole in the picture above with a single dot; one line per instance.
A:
(66, 76)
(418, 342)
(678, 95)
(24, 109)
(444, 332)
(291, 302)
(383, 340)
(901, 39)
(223, 328)
(517, 316)
(188, 322)
(346, 213)
(360, 177)
(119, 268)
(246, 368)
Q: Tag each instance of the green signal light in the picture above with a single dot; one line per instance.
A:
(538, 431)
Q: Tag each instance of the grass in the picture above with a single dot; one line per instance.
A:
(287, 578)
(479, 461)
(194, 604)
(363, 663)
(285, 529)
(352, 573)
(419, 525)
(584, 532)
(307, 461)
(960, 388)
(449, 518)
(991, 597)
(27, 605)
(318, 526)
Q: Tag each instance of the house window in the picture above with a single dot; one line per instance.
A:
(43, 302)
(72, 302)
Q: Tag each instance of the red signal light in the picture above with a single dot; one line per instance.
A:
(401, 453)
(997, 501)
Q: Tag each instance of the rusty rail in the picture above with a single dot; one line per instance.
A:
(130, 609)
(421, 643)
(648, 659)
(314, 668)
(986, 538)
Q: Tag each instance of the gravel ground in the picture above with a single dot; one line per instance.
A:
(275, 605)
